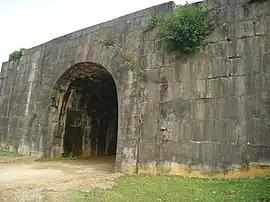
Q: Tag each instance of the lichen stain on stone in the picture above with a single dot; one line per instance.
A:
(177, 169)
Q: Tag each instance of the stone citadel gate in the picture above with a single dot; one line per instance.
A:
(209, 113)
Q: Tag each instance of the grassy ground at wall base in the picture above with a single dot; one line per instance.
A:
(168, 188)
(7, 153)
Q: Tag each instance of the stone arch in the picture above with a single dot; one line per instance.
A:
(83, 118)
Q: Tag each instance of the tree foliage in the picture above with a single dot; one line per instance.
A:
(16, 55)
(185, 29)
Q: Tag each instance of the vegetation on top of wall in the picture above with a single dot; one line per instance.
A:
(185, 29)
(16, 55)
(110, 42)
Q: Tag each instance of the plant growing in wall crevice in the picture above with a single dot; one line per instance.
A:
(184, 30)
(153, 21)
(16, 55)
(110, 42)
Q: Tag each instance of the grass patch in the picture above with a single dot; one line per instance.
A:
(7, 153)
(168, 188)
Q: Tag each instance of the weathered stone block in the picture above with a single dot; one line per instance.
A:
(148, 151)
(228, 86)
(228, 154)
(197, 129)
(215, 88)
(264, 132)
(218, 67)
(220, 34)
(185, 89)
(253, 132)
(150, 131)
(253, 154)
(184, 133)
(199, 110)
(265, 106)
(181, 109)
(208, 130)
(249, 46)
(262, 26)
(192, 153)
(201, 89)
(217, 107)
(154, 60)
(244, 29)
(240, 85)
(219, 49)
(252, 109)
(266, 62)
(230, 108)
(235, 66)
(208, 153)
(253, 84)
(183, 71)
(265, 39)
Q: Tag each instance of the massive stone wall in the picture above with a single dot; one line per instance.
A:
(206, 113)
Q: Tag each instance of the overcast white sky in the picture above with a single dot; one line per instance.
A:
(27, 23)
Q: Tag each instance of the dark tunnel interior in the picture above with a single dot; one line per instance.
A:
(91, 116)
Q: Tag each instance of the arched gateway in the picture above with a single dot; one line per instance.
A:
(84, 112)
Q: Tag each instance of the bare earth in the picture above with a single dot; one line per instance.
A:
(23, 179)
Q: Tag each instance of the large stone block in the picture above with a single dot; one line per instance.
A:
(254, 135)
(266, 62)
(150, 131)
(183, 71)
(184, 133)
(244, 29)
(230, 108)
(253, 106)
(229, 154)
(148, 150)
(249, 46)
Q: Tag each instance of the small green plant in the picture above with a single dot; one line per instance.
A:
(153, 21)
(110, 42)
(16, 55)
(185, 29)
(8, 153)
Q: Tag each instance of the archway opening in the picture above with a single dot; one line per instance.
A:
(86, 101)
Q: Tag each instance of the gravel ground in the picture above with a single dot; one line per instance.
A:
(23, 179)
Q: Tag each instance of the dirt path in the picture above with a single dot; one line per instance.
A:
(23, 179)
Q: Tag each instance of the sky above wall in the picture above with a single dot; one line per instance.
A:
(27, 23)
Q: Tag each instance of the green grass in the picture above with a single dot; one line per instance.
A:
(167, 188)
(7, 153)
